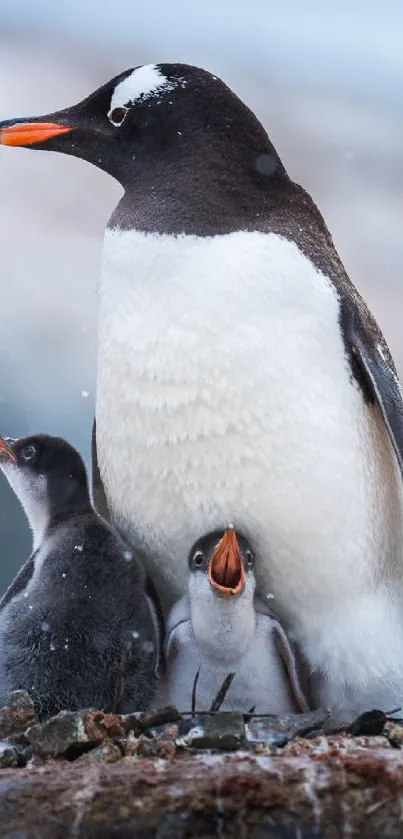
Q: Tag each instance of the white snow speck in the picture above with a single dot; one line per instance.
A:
(135, 634)
(85, 393)
(45, 627)
(66, 646)
(52, 646)
(30, 607)
(63, 575)
(128, 556)
(270, 596)
(78, 548)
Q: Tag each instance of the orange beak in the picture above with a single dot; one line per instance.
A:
(5, 452)
(226, 572)
(27, 133)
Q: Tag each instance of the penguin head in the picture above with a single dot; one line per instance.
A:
(47, 475)
(221, 593)
(224, 562)
(149, 113)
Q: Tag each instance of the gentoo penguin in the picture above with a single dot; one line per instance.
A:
(75, 626)
(219, 627)
(241, 373)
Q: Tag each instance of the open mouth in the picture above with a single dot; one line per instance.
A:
(6, 452)
(226, 572)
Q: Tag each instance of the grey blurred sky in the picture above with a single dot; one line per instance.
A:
(325, 78)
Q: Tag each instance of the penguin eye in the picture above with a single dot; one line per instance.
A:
(249, 558)
(28, 452)
(117, 115)
(198, 559)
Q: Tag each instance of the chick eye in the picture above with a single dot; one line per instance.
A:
(28, 452)
(249, 558)
(198, 559)
(116, 116)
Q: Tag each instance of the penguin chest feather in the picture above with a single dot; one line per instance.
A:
(225, 395)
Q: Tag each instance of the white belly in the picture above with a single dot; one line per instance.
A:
(259, 679)
(224, 396)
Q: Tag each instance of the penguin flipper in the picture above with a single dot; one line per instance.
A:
(157, 617)
(379, 375)
(19, 582)
(288, 658)
(98, 490)
(172, 638)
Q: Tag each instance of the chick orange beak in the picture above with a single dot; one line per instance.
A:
(27, 133)
(6, 453)
(226, 572)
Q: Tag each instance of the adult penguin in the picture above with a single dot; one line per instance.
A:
(240, 372)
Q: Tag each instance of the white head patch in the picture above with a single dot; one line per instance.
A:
(142, 83)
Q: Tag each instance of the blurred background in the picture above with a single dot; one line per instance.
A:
(326, 80)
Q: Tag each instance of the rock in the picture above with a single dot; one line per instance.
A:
(277, 731)
(223, 730)
(76, 729)
(369, 723)
(17, 714)
(162, 745)
(8, 755)
(143, 746)
(107, 752)
(321, 794)
(56, 735)
(160, 716)
(36, 760)
(394, 734)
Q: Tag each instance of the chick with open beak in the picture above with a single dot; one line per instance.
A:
(220, 627)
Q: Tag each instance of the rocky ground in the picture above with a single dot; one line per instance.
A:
(162, 774)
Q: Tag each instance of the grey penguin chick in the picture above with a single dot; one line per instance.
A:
(241, 371)
(220, 627)
(76, 627)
